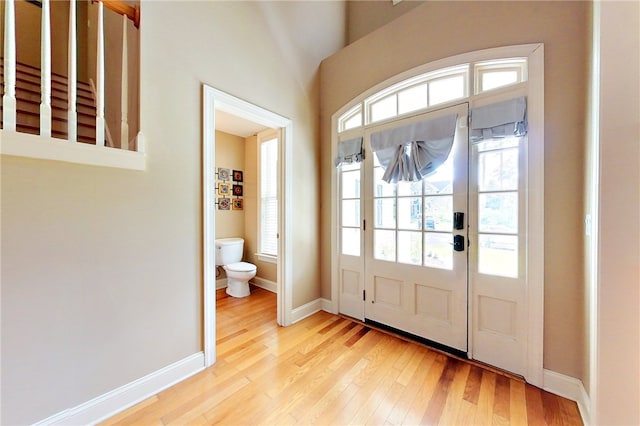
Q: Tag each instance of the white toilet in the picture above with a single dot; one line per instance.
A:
(229, 256)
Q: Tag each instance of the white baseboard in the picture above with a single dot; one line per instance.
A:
(117, 400)
(265, 284)
(328, 306)
(257, 281)
(305, 310)
(570, 388)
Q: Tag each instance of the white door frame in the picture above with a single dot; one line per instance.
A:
(213, 100)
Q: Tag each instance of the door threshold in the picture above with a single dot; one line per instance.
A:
(408, 336)
(438, 347)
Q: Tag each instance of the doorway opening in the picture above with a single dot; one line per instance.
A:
(229, 114)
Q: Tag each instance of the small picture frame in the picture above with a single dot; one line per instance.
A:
(224, 203)
(223, 174)
(237, 190)
(224, 189)
(237, 204)
(237, 175)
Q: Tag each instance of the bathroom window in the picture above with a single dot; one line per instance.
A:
(268, 219)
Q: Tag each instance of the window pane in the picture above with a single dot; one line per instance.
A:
(353, 122)
(384, 108)
(494, 79)
(438, 213)
(384, 245)
(410, 213)
(351, 241)
(498, 255)
(441, 182)
(351, 184)
(438, 251)
(268, 197)
(502, 143)
(410, 188)
(446, 89)
(498, 170)
(385, 213)
(498, 212)
(410, 247)
(351, 213)
(380, 187)
(412, 99)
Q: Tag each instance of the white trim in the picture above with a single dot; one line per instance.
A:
(213, 100)
(45, 148)
(535, 218)
(268, 258)
(257, 281)
(593, 186)
(329, 306)
(570, 388)
(306, 310)
(117, 400)
(209, 225)
(265, 284)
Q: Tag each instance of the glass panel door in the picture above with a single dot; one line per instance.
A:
(414, 279)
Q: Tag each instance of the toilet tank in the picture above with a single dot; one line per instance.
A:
(228, 250)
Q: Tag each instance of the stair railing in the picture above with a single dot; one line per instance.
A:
(9, 98)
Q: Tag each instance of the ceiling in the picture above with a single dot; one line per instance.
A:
(235, 125)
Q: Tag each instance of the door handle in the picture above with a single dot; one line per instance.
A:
(458, 242)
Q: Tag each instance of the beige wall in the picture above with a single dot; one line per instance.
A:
(438, 30)
(616, 380)
(365, 16)
(229, 155)
(102, 268)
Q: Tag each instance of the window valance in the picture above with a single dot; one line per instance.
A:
(349, 151)
(499, 120)
(413, 152)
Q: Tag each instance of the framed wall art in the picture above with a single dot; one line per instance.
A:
(238, 204)
(237, 190)
(224, 189)
(237, 175)
(223, 174)
(224, 203)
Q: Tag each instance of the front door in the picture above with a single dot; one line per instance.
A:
(415, 276)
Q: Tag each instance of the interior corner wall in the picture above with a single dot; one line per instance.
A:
(616, 379)
(436, 30)
(101, 269)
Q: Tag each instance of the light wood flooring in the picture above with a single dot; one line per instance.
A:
(329, 370)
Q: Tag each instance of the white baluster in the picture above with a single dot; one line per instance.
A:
(45, 71)
(72, 115)
(100, 79)
(9, 98)
(124, 94)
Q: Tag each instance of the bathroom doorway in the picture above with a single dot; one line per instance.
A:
(228, 120)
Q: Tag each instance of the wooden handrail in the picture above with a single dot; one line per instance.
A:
(122, 8)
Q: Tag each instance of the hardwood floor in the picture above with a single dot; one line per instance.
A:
(329, 370)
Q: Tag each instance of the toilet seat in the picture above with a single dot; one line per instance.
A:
(240, 267)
